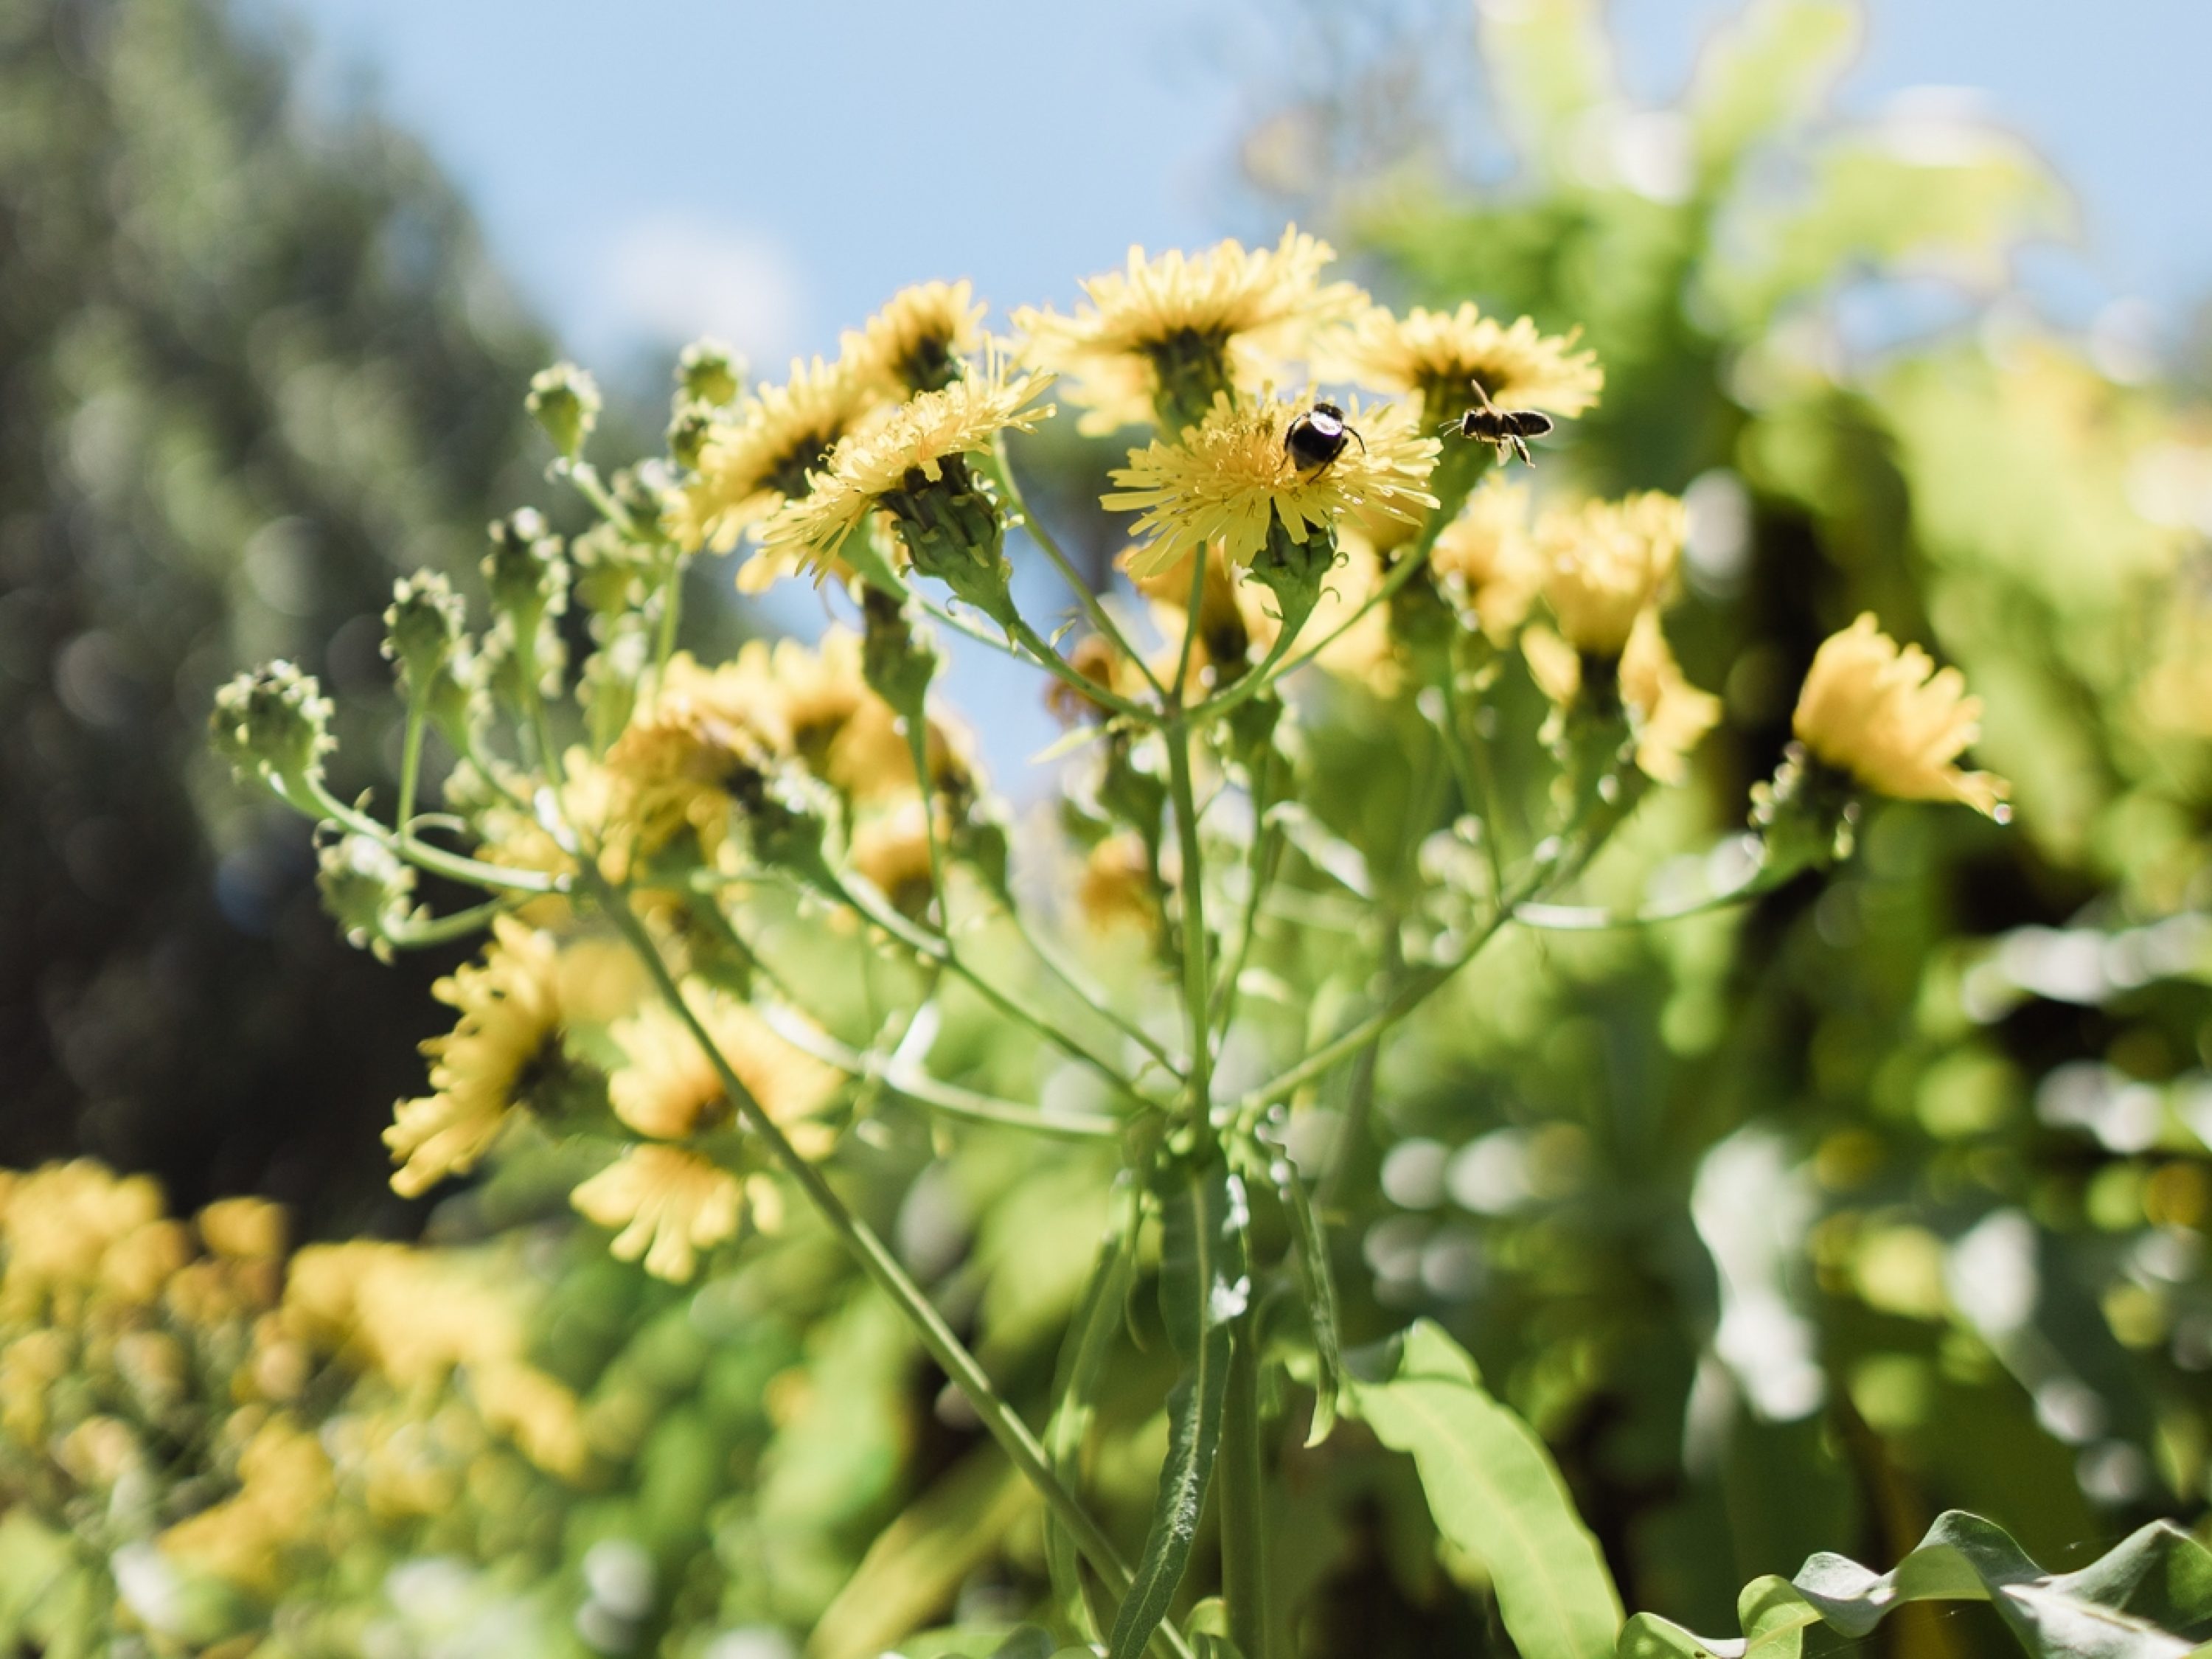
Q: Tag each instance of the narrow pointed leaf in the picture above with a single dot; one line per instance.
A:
(1204, 1286)
(1318, 1285)
(1495, 1493)
(1090, 1335)
(2148, 1597)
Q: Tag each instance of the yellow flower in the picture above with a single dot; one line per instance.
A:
(1225, 318)
(536, 1413)
(1115, 888)
(1667, 715)
(922, 440)
(761, 457)
(1486, 557)
(1604, 561)
(891, 849)
(61, 1221)
(846, 735)
(915, 342)
(243, 1229)
(1892, 720)
(1436, 354)
(668, 1088)
(284, 1486)
(1229, 480)
(674, 765)
(411, 1315)
(669, 1205)
(510, 1025)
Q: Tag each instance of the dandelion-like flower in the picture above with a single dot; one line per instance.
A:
(668, 1088)
(1892, 720)
(1166, 334)
(1604, 561)
(923, 443)
(916, 342)
(1231, 480)
(668, 1204)
(1667, 715)
(1487, 558)
(751, 463)
(1436, 354)
(510, 1024)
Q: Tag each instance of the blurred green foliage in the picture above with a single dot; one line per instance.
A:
(253, 363)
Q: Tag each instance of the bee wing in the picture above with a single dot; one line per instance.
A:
(1530, 423)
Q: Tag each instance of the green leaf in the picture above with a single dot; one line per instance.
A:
(1495, 1493)
(2150, 1597)
(1318, 1285)
(1090, 1337)
(1204, 1286)
(917, 1563)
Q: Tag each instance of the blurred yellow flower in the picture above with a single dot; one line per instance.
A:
(284, 1485)
(1229, 480)
(537, 1414)
(1892, 720)
(1488, 559)
(667, 1088)
(668, 1204)
(1436, 354)
(1223, 319)
(246, 1229)
(60, 1221)
(922, 440)
(890, 848)
(1667, 715)
(1604, 561)
(916, 342)
(761, 457)
(510, 1026)
(1115, 888)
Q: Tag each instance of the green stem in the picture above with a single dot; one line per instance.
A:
(1005, 1425)
(1244, 1498)
(1196, 981)
(443, 930)
(1092, 994)
(938, 949)
(497, 878)
(410, 761)
(672, 607)
(1265, 844)
(1101, 618)
(946, 1097)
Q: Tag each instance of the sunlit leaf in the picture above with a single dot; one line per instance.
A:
(1495, 1493)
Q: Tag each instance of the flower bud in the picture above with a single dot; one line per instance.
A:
(642, 492)
(422, 629)
(524, 570)
(366, 889)
(274, 724)
(710, 373)
(564, 401)
(952, 531)
(688, 428)
(1806, 818)
(897, 659)
(1294, 572)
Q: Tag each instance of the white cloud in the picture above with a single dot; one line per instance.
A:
(672, 279)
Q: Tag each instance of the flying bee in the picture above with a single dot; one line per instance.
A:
(1315, 438)
(1506, 430)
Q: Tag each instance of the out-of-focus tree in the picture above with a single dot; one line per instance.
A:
(252, 364)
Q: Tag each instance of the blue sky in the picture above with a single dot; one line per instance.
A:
(773, 169)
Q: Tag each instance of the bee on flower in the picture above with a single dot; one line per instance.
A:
(1439, 356)
(1231, 483)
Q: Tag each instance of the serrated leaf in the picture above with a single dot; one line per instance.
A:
(1204, 1286)
(1495, 1493)
(2148, 1597)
